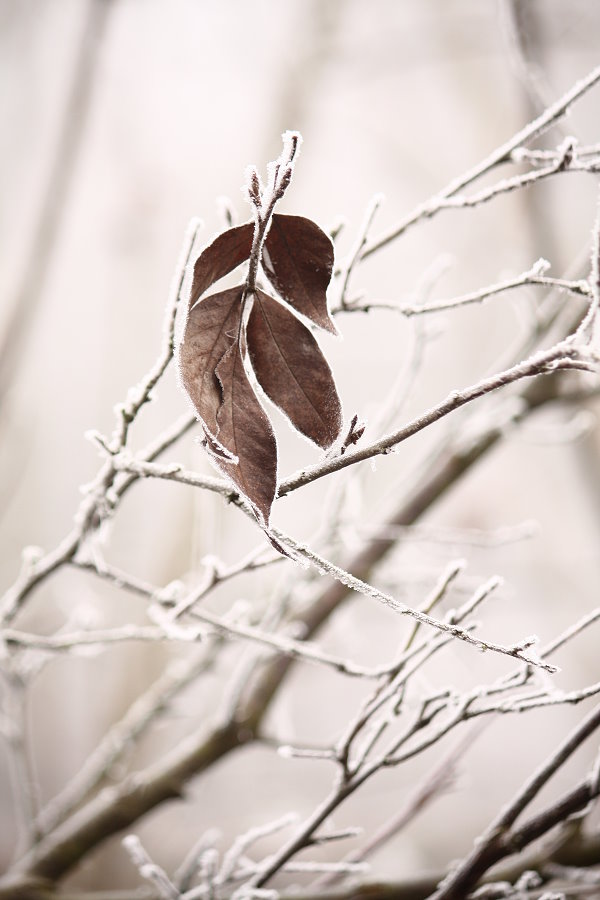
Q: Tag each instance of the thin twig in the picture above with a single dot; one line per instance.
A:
(498, 156)
(356, 584)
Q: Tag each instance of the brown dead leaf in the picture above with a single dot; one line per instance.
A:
(245, 431)
(212, 327)
(298, 261)
(227, 251)
(292, 370)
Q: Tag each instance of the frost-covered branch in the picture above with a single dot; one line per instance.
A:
(403, 710)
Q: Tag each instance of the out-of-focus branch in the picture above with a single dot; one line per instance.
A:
(45, 231)
(97, 502)
(119, 807)
(104, 484)
(22, 770)
(193, 633)
(543, 361)
(434, 783)
(523, 25)
(501, 840)
(562, 355)
(533, 277)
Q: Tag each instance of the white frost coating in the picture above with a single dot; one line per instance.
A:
(210, 860)
(288, 137)
(148, 869)
(174, 631)
(183, 278)
(132, 843)
(240, 612)
(30, 555)
(540, 267)
(96, 437)
(170, 593)
(236, 853)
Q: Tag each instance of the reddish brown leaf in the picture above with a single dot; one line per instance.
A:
(298, 261)
(212, 327)
(246, 432)
(226, 252)
(292, 371)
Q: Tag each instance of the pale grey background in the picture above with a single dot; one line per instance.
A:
(395, 96)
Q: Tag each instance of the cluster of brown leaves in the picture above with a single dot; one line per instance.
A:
(245, 325)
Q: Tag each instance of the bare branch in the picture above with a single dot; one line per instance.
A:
(503, 153)
(497, 841)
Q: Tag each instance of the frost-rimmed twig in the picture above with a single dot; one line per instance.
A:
(517, 651)
(149, 870)
(192, 863)
(393, 683)
(435, 782)
(501, 154)
(53, 560)
(95, 503)
(458, 712)
(30, 577)
(243, 843)
(105, 495)
(263, 200)
(457, 709)
(532, 277)
(562, 163)
(175, 596)
(539, 157)
(101, 637)
(562, 355)
(346, 269)
(164, 632)
(161, 781)
(98, 819)
(589, 321)
(174, 472)
(235, 865)
(556, 357)
(230, 629)
(142, 393)
(577, 798)
(295, 649)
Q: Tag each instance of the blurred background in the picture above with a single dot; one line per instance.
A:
(122, 119)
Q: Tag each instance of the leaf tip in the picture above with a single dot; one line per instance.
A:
(330, 326)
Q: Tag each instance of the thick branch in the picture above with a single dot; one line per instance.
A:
(499, 841)
(119, 808)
